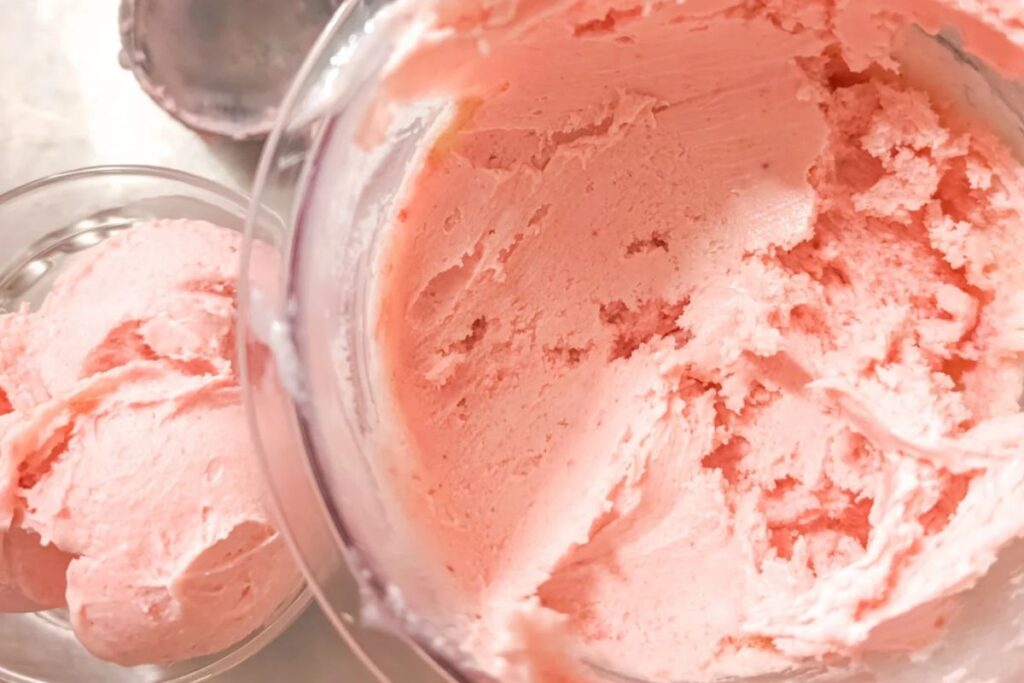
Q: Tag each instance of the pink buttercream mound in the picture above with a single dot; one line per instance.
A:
(703, 330)
(130, 491)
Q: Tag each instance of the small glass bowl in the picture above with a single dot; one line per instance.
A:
(42, 224)
(315, 309)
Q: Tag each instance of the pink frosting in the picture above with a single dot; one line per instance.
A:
(703, 332)
(130, 490)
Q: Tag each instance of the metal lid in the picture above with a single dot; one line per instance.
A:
(220, 66)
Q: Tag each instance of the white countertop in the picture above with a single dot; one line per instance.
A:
(66, 103)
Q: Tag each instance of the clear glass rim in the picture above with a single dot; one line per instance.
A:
(289, 611)
(129, 170)
(370, 586)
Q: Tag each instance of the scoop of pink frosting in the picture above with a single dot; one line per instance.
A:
(130, 492)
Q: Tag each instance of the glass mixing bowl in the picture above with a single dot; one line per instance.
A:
(315, 311)
(42, 225)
